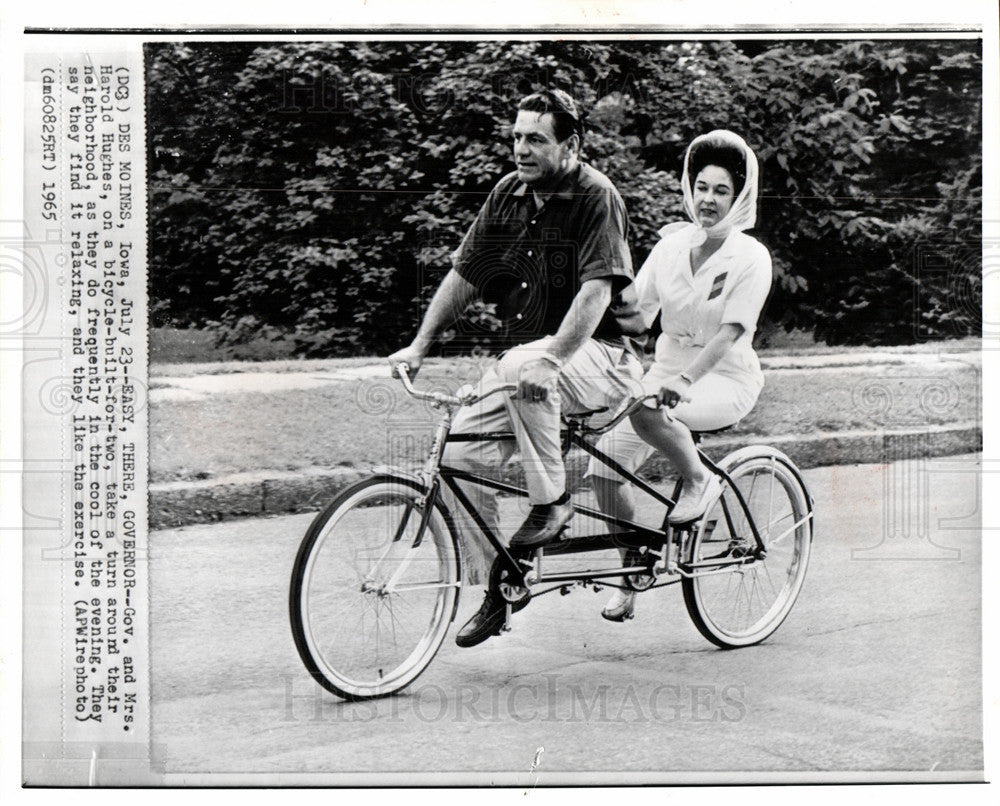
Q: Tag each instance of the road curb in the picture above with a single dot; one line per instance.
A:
(183, 503)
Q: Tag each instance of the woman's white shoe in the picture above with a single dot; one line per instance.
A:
(694, 500)
(620, 606)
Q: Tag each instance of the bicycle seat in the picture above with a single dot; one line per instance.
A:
(579, 417)
(697, 435)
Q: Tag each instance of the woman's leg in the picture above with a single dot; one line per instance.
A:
(714, 401)
(613, 493)
(615, 498)
(672, 438)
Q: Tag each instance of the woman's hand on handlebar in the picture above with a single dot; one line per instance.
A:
(673, 391)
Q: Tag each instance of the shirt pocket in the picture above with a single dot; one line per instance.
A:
(711, 303)
(717, 286)
(498, 266)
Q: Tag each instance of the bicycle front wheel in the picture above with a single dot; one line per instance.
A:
(372, 596)
(732, 604)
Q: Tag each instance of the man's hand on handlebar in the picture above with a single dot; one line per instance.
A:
(412, 356)
(627, 407)
(536, 381)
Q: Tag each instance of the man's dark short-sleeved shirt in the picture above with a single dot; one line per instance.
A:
(531, 262)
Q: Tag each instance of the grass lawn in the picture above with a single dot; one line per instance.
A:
(364, 423)
(351, 424)
(170, 345)
(180, 352)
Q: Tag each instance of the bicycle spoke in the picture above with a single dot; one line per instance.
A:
(415, 586)
(745, 604)
(791, 529)
(363, 550)
(766, 571)
(757, 587)
(753, 483)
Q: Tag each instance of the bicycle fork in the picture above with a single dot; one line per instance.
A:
(429, 474)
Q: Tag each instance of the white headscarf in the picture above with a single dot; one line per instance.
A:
(743, 214)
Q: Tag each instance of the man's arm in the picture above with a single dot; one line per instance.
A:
(449, 301)
(579, 324)
(582, 318)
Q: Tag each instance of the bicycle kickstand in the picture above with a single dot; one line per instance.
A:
(508, 610)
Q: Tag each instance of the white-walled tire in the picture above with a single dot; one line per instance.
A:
(745, 604)
(369, 605)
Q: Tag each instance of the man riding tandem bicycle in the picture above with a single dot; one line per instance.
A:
(376, 581)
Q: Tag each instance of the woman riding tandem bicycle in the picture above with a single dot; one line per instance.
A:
(376, 580)
(709, 281)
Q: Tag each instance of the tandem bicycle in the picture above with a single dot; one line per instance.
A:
(376, 581)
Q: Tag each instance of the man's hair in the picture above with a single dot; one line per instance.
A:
(559, 104)
(725, 156)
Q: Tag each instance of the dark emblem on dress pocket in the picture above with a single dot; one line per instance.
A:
(717, 285)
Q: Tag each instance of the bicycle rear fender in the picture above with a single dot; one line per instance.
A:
(754, 452)
(766, 451)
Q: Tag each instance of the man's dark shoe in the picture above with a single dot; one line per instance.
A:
(543, 524)
(486, 623)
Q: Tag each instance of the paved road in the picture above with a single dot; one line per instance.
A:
(876, 669)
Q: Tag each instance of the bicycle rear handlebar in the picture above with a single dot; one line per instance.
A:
(625, 409)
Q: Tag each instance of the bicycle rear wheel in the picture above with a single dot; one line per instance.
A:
(371, 599)
(741, 605)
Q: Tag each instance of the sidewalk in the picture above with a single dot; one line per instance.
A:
(271, 491)
(197, 381)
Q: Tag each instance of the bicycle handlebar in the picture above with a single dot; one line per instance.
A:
(627, 407)
(402, 371)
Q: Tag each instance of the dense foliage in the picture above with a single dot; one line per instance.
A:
(316, 190)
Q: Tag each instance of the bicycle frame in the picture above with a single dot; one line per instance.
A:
(378, 574)
(628, 534)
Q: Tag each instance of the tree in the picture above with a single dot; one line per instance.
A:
(316, 190)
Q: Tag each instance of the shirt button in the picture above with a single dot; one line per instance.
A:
(524, 285)
(530, 253)
(519, 316)
(532, 221)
